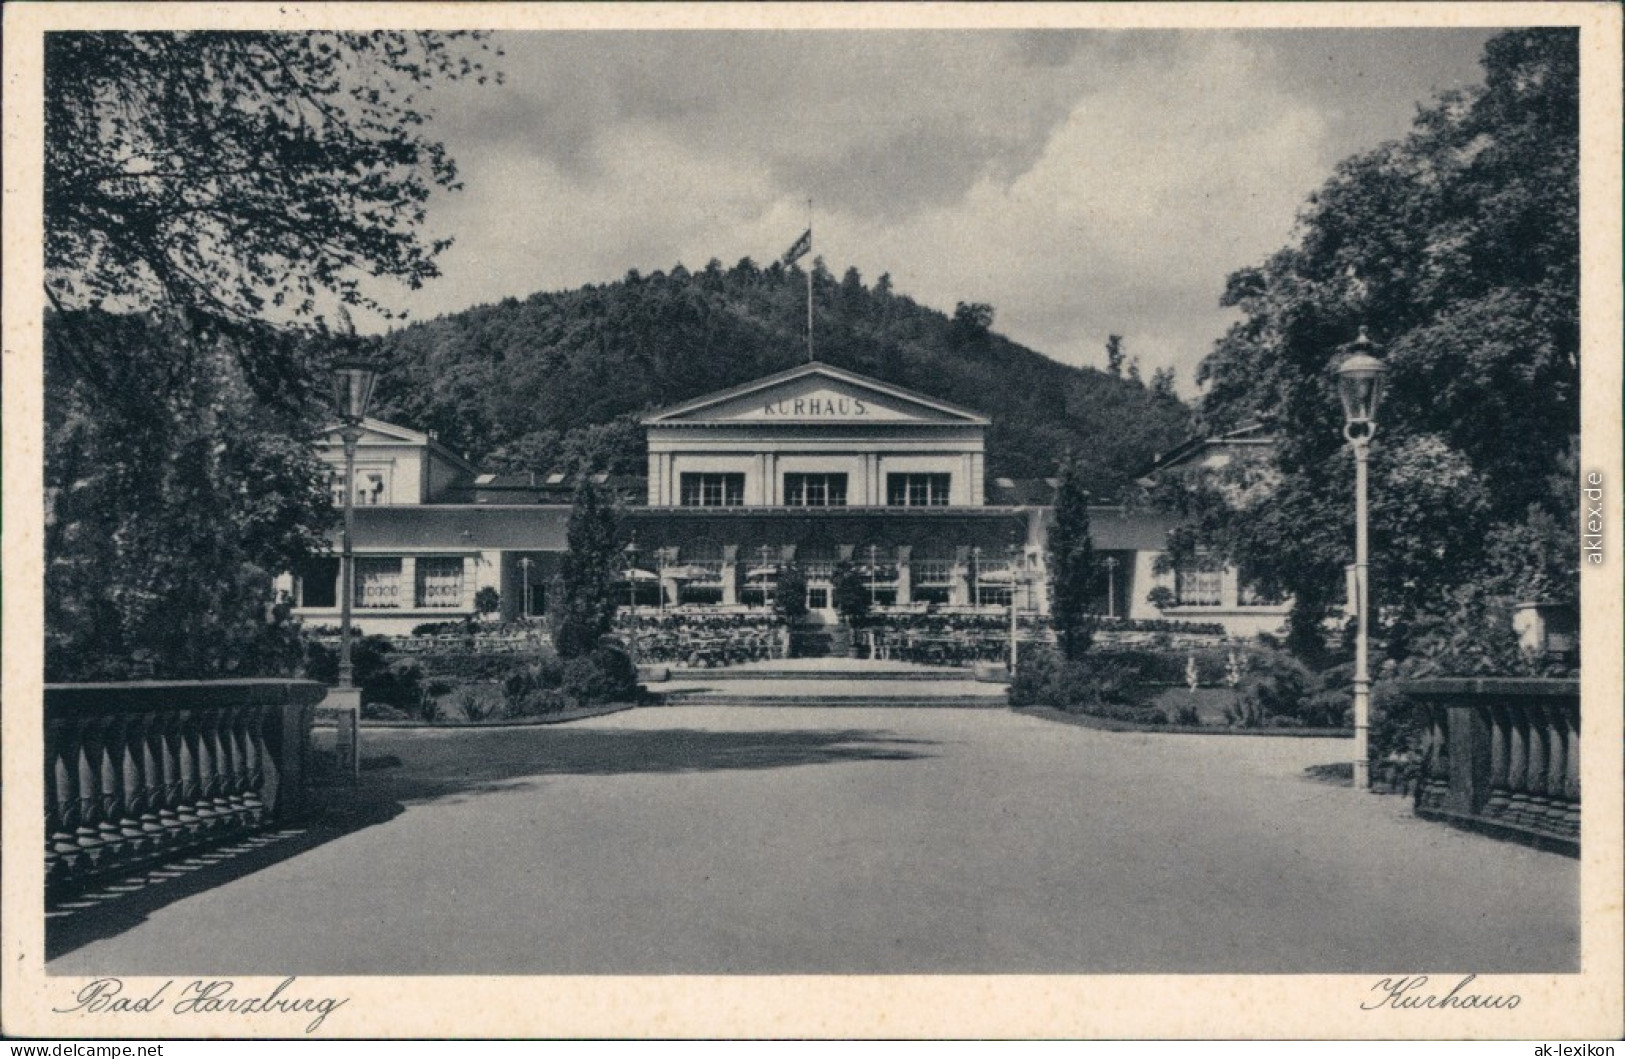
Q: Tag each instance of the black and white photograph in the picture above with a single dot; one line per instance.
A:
(895, 521)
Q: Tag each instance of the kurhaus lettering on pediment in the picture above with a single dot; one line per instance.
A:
(835, 407)
(817, 393)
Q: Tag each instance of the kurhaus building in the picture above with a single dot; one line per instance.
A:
(811, 466)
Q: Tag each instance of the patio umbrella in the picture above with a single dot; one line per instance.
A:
(638, 575)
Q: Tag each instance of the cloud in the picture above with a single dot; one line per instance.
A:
(1084, 183)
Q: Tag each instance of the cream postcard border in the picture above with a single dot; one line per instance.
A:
(1590, 1004)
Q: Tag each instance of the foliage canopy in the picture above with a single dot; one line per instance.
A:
(209, 199)
(1458, 247)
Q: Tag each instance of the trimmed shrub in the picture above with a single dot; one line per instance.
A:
(526, 678)
(441, 628)
(608, 674)
(1036, 671)
(473, 706)
(468, 667)
(1044, 678)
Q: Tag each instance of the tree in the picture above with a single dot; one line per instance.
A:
(586, 600)
(1114, 355)
(233, 175)
(1072, 563)
(972, 321)
(1162, 384)
(850, 593)
(790, 593)
(1458, 248)
(171, 502)
(236, 190)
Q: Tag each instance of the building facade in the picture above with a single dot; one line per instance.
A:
(815, 466)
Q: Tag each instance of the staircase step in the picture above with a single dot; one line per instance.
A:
(810, 676)
(991, 702)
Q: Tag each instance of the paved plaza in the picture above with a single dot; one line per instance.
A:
(733, 839)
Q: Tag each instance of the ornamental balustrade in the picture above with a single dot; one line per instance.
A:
(1502, 756)
(138, 773)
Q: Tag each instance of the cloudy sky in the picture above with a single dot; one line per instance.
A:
(1082, 182)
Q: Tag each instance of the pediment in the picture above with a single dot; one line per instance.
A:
(816, 394)
(378, 432)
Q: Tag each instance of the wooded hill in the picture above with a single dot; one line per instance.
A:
(558, 380)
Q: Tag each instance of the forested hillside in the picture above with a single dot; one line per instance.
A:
(558, 379)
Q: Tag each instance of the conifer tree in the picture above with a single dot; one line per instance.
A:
(1072, 562)
(586, 598)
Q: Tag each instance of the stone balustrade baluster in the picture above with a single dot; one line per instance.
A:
(167, 744)
(253, 763)
(61, 805)
(189, 806)
(1557, 802)
(1518, 766)
(211, 777)
(148, 747)
(86, 791)
(129, 786)
(1540, 750)
(1438, 758)
(102, 792)
(1571, 771)
(1500, 751)
(237, 772)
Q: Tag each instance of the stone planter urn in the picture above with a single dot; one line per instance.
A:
(1546, 628)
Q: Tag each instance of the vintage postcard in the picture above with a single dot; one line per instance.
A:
(808, 520)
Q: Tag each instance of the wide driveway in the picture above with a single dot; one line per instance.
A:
(733, 839)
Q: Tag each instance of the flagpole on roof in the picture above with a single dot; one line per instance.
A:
(809, 285)
(798, 250)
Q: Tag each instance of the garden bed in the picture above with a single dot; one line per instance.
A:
(1107, 724)
(559, 717)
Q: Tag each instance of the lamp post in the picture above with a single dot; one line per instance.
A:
(1359, 385)
(631, 577)
(524, 564)
(763, 553)
(353, 381)
(1016, 562)
(1111, 586)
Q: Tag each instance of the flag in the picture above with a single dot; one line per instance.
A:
(799, 248)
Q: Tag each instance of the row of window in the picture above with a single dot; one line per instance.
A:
(1202, 585)
(437, 582)
(812, 490)
(371, 488)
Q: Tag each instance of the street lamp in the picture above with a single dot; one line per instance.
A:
(1017, 562)
(631, 577)
(768, 575)
(1359, 384)
(353, 382)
